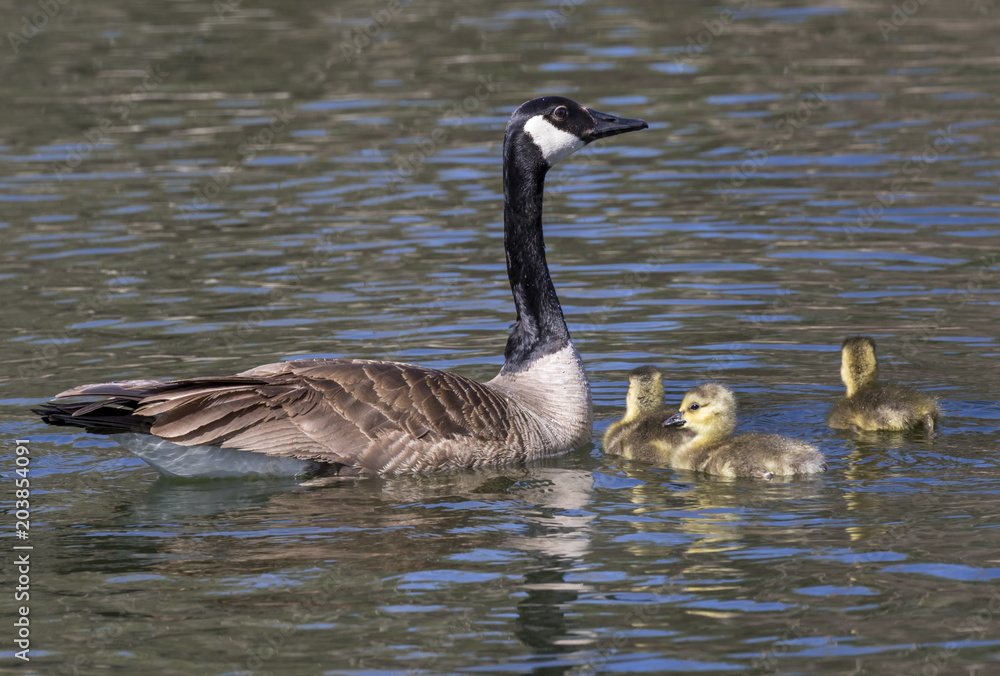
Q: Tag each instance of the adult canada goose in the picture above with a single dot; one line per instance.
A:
(709, 410)
(870, 405)
(640, 434)
(374, 417)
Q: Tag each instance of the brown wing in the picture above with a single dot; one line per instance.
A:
(353, 412)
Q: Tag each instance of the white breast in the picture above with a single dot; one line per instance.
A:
(554, 390)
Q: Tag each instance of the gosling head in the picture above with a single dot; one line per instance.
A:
(709, 410)
(552, 128)
(645, 392)
(857, 363)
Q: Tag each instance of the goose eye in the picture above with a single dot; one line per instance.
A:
(694, 407)
(560, 114)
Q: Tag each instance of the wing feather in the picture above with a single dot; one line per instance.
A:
(355, 412)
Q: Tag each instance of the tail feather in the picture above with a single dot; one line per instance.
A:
(103, 417)
(114, 411)
(122, 389)
(134, 390)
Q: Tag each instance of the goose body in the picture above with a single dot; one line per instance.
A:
(640, 434)
(352, 416)
(870, 405)
(709, 410)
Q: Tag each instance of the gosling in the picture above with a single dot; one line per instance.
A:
(640, 434)
(709, 410)
(872, 406)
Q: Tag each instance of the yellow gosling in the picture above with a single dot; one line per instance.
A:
(870, 405)
(640, 434)
(709, 410)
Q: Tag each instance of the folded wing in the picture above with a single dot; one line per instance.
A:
(353, 412)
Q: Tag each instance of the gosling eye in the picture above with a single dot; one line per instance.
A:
(560, 114)
(694, 407)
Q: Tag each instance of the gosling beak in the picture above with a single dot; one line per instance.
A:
(676, 420)
(611, 125)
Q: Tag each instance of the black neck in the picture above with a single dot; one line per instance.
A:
(540, 328)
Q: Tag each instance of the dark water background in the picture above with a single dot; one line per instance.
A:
(196, 188)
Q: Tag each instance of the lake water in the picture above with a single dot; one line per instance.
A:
(196, 188)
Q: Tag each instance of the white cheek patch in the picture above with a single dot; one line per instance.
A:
(554, 143)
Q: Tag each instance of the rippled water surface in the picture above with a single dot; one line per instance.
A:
(196, 188)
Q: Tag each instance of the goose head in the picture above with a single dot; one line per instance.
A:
(645, 392)
(551, 128)
(709, 410)
(858, 366)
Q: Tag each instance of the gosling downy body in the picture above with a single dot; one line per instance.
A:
(870, 405)
(351, 416)
(640, 434)
(709, 410)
